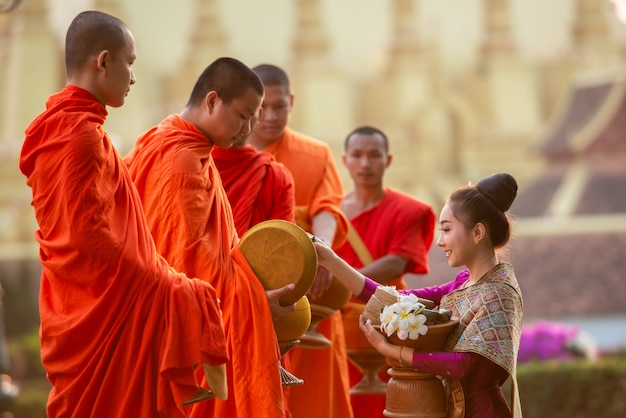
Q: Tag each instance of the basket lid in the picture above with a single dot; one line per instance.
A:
(280, 252)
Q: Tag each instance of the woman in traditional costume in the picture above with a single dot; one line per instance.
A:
(481, 352)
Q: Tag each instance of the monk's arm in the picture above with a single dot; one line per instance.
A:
(385, 268)
(324, 226)
(326, 204)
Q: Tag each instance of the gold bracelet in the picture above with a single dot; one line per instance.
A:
(401, 364)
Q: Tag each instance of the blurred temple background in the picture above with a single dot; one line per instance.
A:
(463, 89)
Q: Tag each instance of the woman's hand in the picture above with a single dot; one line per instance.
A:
(337, 267)
(378, 340)
(374, 336)
(325, 254)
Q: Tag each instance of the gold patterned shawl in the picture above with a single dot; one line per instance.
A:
(490, 314)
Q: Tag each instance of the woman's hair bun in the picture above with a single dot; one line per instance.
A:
(501, 188)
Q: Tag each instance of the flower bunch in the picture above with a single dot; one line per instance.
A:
(404, 318)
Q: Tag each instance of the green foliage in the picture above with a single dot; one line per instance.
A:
(25, 351)
(31, 402)
(19, 282)
(573, 389)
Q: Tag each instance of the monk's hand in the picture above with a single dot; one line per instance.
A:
(273, 299)
(322, 281)
(374, 337)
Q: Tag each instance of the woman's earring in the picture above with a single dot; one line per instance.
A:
(475, 241)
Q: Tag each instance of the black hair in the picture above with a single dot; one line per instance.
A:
(229, 77)
(487, 202)
(367, 130)
(272, 75)
(90, 33)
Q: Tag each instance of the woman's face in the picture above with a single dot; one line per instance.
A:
(455, 240)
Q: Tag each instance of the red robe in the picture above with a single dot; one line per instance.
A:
(325, 392)
(120, 330)
(258, 187)
(399, 225)
(192, 224)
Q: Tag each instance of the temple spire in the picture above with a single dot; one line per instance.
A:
(207, 41)
(591, 35)
(498, 41)
(406, 47)
(311, 47)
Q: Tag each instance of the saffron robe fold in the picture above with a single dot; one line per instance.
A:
(120, 330)
(192, 224)
(325, 392)
(258, 187)
(400, 225)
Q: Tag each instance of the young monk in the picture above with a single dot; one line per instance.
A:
(258, 187)
(394, 230)
(481, 353)
(120, 330)
(191, 220)
(318, 193)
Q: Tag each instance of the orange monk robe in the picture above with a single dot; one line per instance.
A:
(120, 330)
(192, 224)
(317, 184)
(400, 225)
(258, 187)
(325, 392)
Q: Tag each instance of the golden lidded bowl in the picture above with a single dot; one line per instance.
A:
(280, 253)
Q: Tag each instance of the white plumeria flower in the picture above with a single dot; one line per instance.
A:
(417, 326)
(391, 326)
(404, 318)
(388, 329)
(387, 314)
(402, 334)
(404, 309)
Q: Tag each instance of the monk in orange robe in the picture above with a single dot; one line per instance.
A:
(318, 193)
(121, 331)
(395, 233)
(191, 220)
(258, 187)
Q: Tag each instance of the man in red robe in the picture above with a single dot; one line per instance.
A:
(121, 331)
(318, 193)
(258, 187)
(191, 220)
(395, 232)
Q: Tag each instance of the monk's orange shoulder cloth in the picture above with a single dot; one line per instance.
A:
(317, 183)
(258, 187)
(121, 332)
(190, 218)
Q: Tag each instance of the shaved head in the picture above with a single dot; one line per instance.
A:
(90, 33)
(272, 75)
(229, 77)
